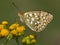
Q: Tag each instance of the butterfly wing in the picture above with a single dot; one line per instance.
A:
(37, 20)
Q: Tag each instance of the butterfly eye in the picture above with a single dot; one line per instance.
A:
(36, 20)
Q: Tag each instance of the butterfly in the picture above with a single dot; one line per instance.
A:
(36, 20)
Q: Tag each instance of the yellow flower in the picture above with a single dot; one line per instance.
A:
(13, 26)
(0, 35)
(4, 22)
(33, 41)
(14, 32)
(20, 29)
(31, 36)
(4, 32)
(1, 26)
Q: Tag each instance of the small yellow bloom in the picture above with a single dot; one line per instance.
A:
(14, 32)
(4, 22)
(0, 35)
(33, 41)
(13, 26)
(1, 26)
(20, 29)
(31, 36)
(4, 32)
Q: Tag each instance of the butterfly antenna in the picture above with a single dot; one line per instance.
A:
(19, 11)
(15, 6)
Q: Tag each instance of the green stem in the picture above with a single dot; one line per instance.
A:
(8, 38)
(17, 40)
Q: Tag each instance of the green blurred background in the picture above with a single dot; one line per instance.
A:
(51, 35)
